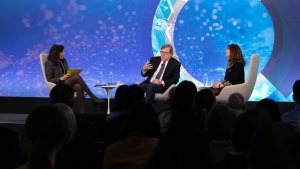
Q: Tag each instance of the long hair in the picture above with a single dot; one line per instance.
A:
(236, 54)
(54, 52)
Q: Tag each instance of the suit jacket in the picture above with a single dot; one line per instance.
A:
(171, 74)
(53, 71)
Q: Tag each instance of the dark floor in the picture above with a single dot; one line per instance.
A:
(24, 105)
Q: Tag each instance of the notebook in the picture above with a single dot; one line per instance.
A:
(73, 71)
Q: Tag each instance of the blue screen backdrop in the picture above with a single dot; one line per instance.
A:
(119, 36)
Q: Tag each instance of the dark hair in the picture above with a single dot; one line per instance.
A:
(220, 122)
(275, 146)
(202, 104)
(236, 54)
(46, 129)
(182, 101)
(183, 146)
(54, 52)
(246, 125)
(62, 93)
(296, 91)
(118, 104)
(132, 94)
(236, 101)
(271, 107)
(11, 153)
(168, 46)
(142, 118)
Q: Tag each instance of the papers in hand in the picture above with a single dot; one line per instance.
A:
(73, 71)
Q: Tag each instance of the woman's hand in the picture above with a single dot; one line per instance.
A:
(217, 85)
(64, 77)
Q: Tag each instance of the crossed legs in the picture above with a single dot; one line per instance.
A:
(150, 90)
(79, 86)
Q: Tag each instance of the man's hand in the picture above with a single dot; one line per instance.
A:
(147, 66)
(157, 82)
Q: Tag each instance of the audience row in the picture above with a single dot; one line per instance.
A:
(192, 132)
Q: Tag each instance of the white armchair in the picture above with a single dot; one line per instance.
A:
(165, 95)
(244, 89)
(43, 59)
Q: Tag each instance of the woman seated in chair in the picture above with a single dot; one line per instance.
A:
(235, 69)
(56, 71)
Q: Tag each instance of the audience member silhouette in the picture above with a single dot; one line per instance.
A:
(203, 101)
(275, 146)
(44, 133)
(246, 126)
(83, 151)
(135, 150)
(118, 104)
(114, 129)
(165, 112)
(236, 102)
(72, 124)
(62, 93)
(218, 127)
(181, 106)
(182, 102)
(271, 107)
(183, 146)
(11, 155)
(292, 117)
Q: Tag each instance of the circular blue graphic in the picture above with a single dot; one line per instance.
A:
(203, 30)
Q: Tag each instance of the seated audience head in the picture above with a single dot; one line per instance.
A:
(220, 122)
(62, 93)
(246, 126)
(143, 119)
(236, 102)
(132, 94)
(182, 101)
(183, 146)
(70, 116)
(10, 150)
(271, 107)
(296, 91)
(203, 101)
(45, 131)
(275, 146)
(118, 101)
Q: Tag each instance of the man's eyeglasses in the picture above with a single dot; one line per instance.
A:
(164, 53)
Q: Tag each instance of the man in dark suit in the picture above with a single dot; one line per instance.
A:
(161, 73)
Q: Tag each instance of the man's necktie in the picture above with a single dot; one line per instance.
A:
(160, 71)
